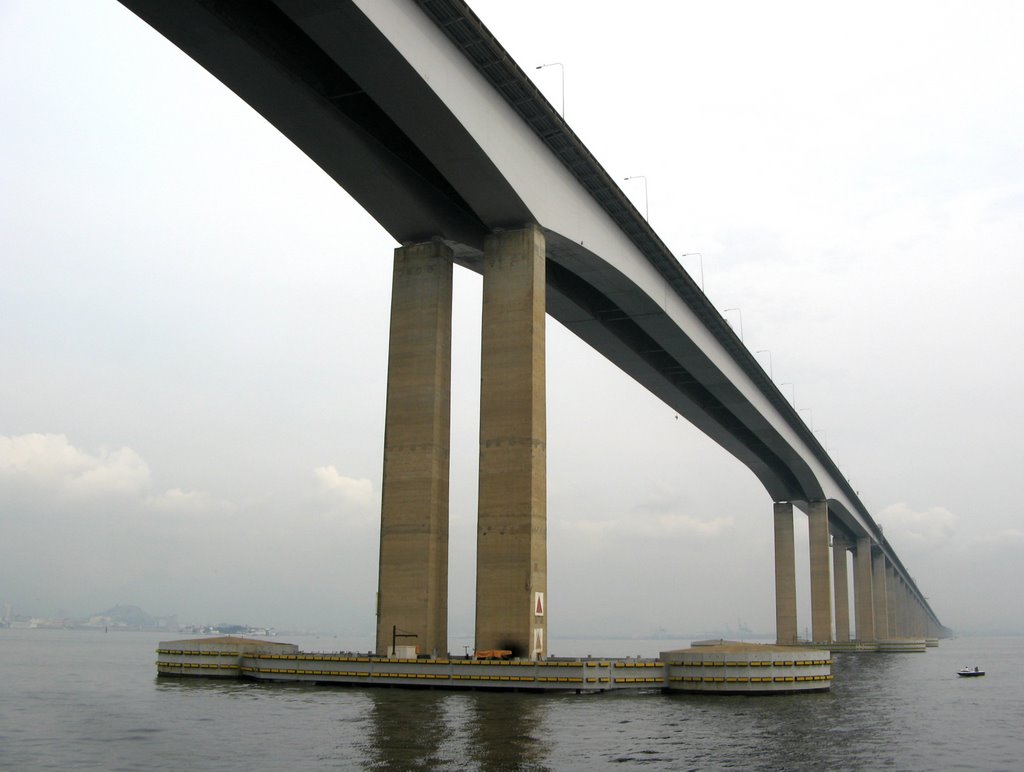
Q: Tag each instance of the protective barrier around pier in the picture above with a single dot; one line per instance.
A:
(735, 668)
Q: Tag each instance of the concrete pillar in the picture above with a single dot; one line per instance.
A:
(785, 574)
(412, 594)
(908, 611)
(821, 589)
(880, 600)
(863, 603)
(511, 577)
(902, 623)
(841, 586)
(891, 591)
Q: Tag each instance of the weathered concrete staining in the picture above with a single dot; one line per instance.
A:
(413, 579)
(511, 578)
(719, 669)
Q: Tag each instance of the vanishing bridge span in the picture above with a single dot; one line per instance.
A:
(419, 113)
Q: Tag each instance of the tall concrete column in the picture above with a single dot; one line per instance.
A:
(412, 597)
(891, 591)
(511, 576)
(880, 600)
(785, 574)
(906, 611)
(841, 586)
(902, 601)
(821, 589)
(863, 603)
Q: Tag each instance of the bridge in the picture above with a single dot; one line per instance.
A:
(419, 113)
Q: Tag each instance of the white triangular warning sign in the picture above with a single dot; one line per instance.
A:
(538, 604)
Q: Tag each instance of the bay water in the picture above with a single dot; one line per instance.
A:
(74, 699)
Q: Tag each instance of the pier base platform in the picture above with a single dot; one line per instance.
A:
(725, 667)
(720, 669)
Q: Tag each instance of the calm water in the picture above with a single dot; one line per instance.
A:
(84, 700)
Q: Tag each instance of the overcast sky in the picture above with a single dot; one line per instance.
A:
(194, 318)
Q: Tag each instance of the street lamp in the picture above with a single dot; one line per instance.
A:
(698, 254)
(562, 68)
(642, 177)
(741, 319)
(771, 371)
(794, 391)
(811, 413)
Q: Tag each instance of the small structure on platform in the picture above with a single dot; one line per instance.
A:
(729, 667)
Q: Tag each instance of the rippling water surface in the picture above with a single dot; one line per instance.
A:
(84, 700)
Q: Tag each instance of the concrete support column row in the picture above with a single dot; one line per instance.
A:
(785, 573)
(885, 605)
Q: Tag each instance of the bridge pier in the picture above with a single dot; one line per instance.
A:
(412, 594)
(821, 590)
(511, 579)
(511, 597)
(785, 574)
(891, 591)
(879, 591)
(841, 587)
(863, 603)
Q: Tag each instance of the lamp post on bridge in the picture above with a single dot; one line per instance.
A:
(771, 370)
(646, 209)
(698, 254)
(794, 391)
(561, 67)
(811, 413)
(738, 311)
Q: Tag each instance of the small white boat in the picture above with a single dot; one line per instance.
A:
(970, 672)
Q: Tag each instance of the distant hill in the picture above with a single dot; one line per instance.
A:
(127, 616)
